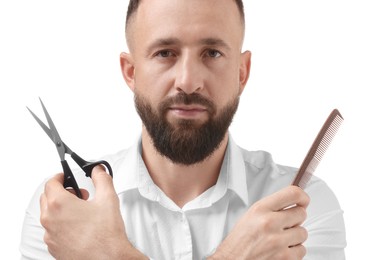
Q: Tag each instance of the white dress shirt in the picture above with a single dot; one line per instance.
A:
(161, 230)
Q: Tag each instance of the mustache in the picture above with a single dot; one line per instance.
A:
(183, 98)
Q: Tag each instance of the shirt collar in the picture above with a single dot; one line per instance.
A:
(131, 173)
(126, 166)
(237, 178)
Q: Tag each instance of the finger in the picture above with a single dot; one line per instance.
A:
(84, 193)
(55, 184)
(295, 236)
(102, 181)
(43, 202)
(293, 216)
(287, 197)
(298, 252)
(43, 211)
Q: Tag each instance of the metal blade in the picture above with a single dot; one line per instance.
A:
(51, 132)
(44, 127)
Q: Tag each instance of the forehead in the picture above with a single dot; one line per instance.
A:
(187, 20)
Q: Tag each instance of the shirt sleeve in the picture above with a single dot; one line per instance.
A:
(325, 224)
(32, 245)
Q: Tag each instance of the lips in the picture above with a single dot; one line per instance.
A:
(188, 111)
(189, 108)
(191, 105)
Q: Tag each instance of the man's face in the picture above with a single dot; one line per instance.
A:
(188, 73)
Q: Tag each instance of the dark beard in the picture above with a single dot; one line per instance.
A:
(187, 142)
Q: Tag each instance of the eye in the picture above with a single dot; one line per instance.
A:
(213, 53)
(165, 54)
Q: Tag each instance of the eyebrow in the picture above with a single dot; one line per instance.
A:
(161, 43)
(215, 42)
(210, 41)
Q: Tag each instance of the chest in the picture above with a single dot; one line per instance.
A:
(163, 233)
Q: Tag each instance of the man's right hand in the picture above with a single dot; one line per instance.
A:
(80, 229)
(270, 229)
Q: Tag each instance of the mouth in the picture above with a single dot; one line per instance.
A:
(192, 111)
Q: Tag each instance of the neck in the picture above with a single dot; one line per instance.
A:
(182, 183)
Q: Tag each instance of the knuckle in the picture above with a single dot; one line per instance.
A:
(256, 207)
(275, 241)
(44, 220)
(53, 204)
(47, 186)
(297, 192)
(299, 252)
(302, 213)
(49, 213)
(304, 234)
(306, 198)
(47, 239)
(266, 224)
(302, 251)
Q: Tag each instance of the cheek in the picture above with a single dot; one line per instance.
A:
(225, 87)
(152, 83)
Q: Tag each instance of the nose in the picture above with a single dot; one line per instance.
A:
(189, 74)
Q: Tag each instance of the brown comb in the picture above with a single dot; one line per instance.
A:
(318, 149)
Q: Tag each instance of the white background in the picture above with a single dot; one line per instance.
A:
(308, 58)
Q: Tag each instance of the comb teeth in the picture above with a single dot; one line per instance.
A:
(318, 149)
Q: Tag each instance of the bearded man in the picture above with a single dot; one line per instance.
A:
(185, 190)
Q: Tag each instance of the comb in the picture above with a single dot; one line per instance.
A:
(318, 149)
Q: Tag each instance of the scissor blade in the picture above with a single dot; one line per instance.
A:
(56, 137)
(51, 132)
(44, 127)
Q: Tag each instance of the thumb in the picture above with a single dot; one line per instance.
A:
(102, 182)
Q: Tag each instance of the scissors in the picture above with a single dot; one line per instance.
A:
(62, 148)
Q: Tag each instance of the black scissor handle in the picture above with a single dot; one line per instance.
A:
(87, 167)
(69, 180)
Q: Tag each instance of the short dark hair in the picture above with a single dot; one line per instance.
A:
(133, 6)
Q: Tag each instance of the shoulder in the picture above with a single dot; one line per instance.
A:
(261, 167)
(265, 176)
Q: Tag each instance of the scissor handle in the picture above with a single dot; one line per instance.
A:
(69, 180)
(87, 167)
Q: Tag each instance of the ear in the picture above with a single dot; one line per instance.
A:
(127, 69)
(244, 70)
